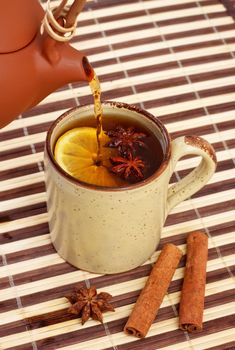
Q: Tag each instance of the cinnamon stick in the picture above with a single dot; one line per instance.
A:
(193, 291)
(150, 299)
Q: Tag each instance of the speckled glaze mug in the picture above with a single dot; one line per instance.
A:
(111, 230)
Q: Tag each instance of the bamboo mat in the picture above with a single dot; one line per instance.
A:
(174, 58)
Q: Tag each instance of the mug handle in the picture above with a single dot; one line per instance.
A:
(197, 178)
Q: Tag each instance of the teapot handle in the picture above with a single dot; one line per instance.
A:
(74, 11)
(61, 22)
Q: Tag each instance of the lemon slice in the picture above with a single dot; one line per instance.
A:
(76, 153)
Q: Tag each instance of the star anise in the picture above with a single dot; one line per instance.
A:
(128, 167)
(125, 139)
(87, 303)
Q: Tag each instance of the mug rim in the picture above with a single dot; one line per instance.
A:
(131, 107)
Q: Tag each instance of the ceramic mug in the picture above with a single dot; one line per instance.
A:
(111, 230)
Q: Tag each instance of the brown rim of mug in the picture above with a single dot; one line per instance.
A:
(142, 183)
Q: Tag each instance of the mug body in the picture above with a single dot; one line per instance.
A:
(99, 229)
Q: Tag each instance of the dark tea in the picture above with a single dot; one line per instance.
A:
(110, 151)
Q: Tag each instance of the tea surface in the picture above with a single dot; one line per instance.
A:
(79, 155)
(110, 151)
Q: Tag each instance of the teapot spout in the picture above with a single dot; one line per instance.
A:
(88, 69)
(66, 64)
(76, 67)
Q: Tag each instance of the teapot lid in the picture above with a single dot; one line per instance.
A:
(19, 23)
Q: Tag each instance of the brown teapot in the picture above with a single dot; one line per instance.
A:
(32, 63)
